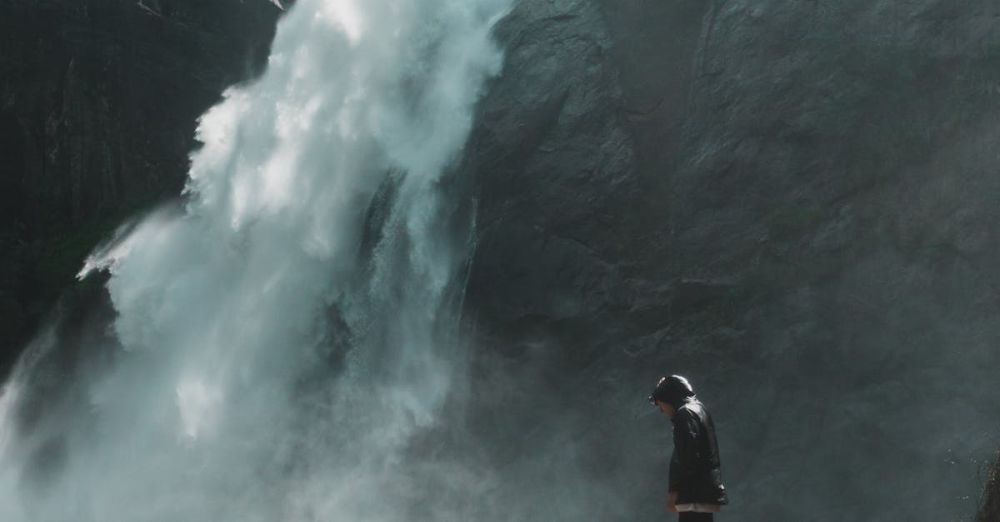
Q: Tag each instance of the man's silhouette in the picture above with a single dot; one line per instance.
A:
(696, 490)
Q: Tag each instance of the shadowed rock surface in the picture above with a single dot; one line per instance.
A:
(990, 508)
(792, 204)
(98, 101)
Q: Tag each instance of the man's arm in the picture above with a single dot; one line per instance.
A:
(684, 462)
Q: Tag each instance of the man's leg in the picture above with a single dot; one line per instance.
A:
(690, 516)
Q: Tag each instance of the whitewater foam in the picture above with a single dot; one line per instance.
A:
(270, 364)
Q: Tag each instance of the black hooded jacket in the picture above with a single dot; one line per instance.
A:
(694, 469)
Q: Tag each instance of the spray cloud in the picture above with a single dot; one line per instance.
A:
(285, 336)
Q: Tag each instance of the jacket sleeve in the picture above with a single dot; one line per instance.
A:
(683, 464)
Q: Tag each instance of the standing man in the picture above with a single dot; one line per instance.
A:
(696, 490)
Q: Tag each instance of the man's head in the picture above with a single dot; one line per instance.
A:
(670, 393)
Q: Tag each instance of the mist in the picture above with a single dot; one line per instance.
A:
(280, 341)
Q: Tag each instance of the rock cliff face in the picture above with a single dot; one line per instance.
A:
(793, 203)
(556, 166)
(98, 101)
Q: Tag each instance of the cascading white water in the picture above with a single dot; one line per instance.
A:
(285, 336)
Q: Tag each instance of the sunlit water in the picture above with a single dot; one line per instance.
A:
(282, 339)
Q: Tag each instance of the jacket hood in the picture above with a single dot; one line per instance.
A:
(674, 390)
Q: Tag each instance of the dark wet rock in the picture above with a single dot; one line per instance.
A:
(989, 509)
(554, 167)
(98, 102)
(792, 202)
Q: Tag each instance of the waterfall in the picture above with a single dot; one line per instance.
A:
(285, 340)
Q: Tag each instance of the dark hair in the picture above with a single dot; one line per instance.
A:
(672, 390)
